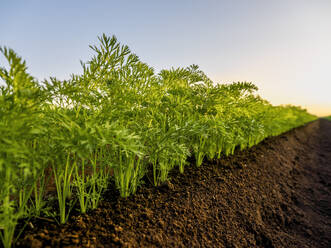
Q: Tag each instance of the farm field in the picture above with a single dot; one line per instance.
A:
(121, 143)
(275, 194)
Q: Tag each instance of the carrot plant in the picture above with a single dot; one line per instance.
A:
(20, 162)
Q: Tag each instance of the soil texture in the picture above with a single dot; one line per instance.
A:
(276, 194)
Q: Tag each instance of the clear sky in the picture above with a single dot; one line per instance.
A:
(283, 46)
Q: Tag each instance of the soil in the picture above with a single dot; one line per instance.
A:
(276, 194)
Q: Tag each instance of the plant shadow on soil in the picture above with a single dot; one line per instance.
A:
(275, 194)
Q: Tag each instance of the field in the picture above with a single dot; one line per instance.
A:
(69, 148)
(271, 195)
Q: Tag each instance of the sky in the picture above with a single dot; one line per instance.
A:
(283, 46)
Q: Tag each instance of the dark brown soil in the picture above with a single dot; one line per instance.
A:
(276, 194)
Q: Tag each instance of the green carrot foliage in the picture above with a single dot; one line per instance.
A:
(118, 121)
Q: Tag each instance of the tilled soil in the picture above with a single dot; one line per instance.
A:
(276, 194)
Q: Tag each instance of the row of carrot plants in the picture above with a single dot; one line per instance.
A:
(116, 121)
